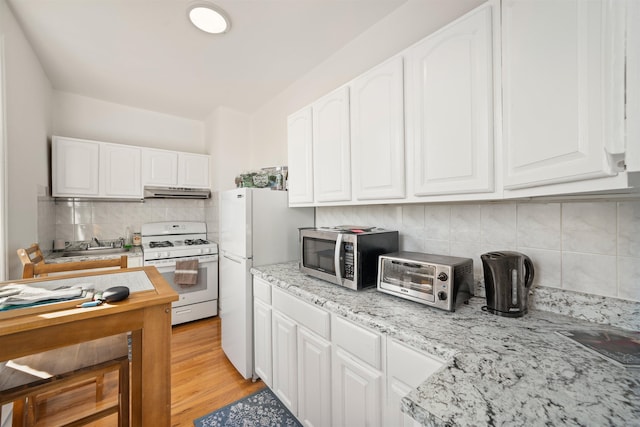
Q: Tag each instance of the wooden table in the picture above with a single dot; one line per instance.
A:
(147, 314)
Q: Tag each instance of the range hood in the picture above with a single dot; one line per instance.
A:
(176, 193)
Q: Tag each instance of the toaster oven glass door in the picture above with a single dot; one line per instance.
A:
(413, 279)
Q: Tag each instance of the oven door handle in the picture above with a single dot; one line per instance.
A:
(336, 258)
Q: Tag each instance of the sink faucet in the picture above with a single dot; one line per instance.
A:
(95, 239)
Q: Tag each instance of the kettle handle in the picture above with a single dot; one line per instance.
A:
(529, 271)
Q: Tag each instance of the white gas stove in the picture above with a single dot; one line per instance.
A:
(164, 240)
(164, 244)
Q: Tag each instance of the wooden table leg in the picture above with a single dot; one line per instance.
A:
(156, 366)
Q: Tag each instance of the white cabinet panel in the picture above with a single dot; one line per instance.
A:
(285, 372)
(450, 108)
(357, 392)
(331, 147)
(76, 167)
(300, 153)
(407, 368)
(121, 171)
(314, 366)
(193, 170)
(174, 168)
(83, 168)
(159, 167)
(563, 93)
(262, 340)
(377, 132)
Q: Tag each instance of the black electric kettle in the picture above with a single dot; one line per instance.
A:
(507, 279)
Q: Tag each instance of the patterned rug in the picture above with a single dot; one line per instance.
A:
(261, 409)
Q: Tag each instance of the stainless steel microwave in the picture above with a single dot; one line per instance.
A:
(345, 255)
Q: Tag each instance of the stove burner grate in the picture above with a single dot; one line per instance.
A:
(190, 242)
(163, 244)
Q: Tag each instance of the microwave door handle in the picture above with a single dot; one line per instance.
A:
(336, 258)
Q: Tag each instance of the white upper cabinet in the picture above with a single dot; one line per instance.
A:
(300, 151)
(121, 176)
(377, 132)
(193, 170)
(331, 147)
(83, 168)
(450, 116)
(75, 167)
(563, 90)
(173, 168)
(159, 167)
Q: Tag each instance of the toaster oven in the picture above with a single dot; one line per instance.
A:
(439, 281)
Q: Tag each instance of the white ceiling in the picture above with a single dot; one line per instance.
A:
(145, 53)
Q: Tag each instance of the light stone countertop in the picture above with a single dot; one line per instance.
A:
(499, 371)
(57, 258)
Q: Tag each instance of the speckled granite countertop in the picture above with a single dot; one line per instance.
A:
(500, 371)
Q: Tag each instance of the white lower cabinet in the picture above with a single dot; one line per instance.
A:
(285, 371)
(358, 379)
(314, 379)
(262, 341)
(406, 370)
(357, 392)
(327, 370)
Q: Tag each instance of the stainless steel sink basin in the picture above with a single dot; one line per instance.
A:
(95, 251)
(101, 247)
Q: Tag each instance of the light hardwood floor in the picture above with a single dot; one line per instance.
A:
(202, 379)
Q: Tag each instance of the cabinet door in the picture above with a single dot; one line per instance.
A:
(285, 361)
(563, 93)
(331, 147)
(314, 370)
(406, 370)
(262, 340)
(193, 170)
(357, 392)
(300, 151)
(159, 167)
(121, 171)
(76, 167)
(377, 132)
(450, 108)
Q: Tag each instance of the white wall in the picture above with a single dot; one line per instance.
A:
(78, 116)
(227, 135)
(405, 26)
(28, 123)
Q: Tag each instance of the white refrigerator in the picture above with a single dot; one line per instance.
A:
(257, 227)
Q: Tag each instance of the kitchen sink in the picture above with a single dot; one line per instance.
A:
(104, 247)
(95, 251)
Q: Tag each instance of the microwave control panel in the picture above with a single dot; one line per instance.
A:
(349, 266)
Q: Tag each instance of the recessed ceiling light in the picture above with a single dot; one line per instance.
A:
(209, 18)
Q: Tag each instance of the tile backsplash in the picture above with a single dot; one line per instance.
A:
(83, 220)
(591, 247)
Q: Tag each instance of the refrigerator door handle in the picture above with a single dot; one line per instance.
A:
(237, 261)
(336, 258)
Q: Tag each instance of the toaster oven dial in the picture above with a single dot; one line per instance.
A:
(443, 277)
(442, 296)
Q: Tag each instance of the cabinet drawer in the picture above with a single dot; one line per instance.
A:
(409, 365)
(305, 314)
(364, 344)
(262, 290)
